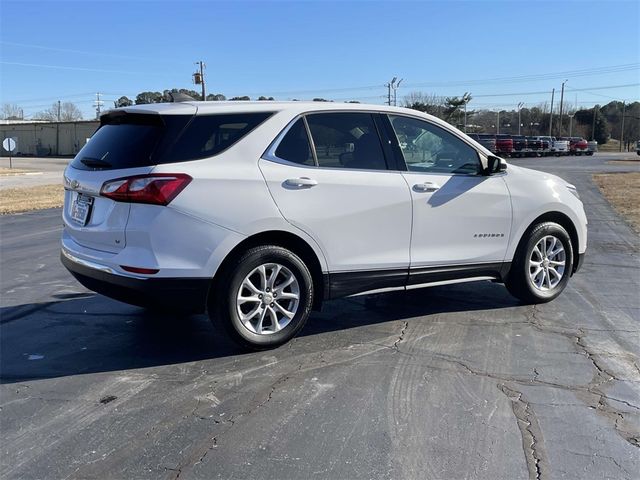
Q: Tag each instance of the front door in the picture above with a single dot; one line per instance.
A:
(461, 218)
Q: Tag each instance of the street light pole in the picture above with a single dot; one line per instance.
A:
(570, 123)
(553, 91)
(520, 105)
(395, 92)
(561, 99)
(466, 97)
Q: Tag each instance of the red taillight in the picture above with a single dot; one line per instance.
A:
(156, 189)
(145, 271)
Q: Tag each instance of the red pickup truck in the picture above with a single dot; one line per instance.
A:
(504, 145)
(577, 145)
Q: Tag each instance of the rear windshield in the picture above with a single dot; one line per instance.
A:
(141, 140)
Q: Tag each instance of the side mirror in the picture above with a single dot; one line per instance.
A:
(495, 165)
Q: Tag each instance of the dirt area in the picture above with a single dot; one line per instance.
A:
(14, 171)
(622, 190)
(15, 200)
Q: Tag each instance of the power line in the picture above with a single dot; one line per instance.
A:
(68, 50)
(82, 69)
(534, 77)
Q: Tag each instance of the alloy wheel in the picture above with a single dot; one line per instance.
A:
(547, 263)
(268, 298)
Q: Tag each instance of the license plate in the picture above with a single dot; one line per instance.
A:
(81, 209)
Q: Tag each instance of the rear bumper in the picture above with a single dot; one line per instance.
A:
(189, 294)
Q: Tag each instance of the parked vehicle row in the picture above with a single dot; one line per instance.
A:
(541, 146)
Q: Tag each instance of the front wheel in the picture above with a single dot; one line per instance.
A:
(264, 297)
(542, 264)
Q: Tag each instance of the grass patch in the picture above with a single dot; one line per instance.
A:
(622, 190)
(624, 162)
(4, 172)
(15, 200)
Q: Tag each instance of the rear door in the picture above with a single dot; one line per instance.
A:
(339, 189)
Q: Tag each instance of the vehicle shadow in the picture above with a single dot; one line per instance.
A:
(90, 333)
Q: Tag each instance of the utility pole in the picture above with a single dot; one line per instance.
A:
(58, 131)
(622, 126)
(593, 126)
(498, 123)
(98, 104)
(520, 105)
(198, 78)
(553, 91)
(561, 99)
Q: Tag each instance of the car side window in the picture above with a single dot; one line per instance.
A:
(294, 146)
(346, 140)
(429, 148)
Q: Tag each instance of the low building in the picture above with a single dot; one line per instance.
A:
(42, 139)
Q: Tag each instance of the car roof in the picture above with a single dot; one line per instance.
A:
(241, 106)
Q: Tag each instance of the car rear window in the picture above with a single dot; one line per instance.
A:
(127, 140)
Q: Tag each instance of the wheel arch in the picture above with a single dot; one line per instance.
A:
(565, 222)
(287, 240)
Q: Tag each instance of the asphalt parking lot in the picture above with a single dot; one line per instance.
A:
(449, 382)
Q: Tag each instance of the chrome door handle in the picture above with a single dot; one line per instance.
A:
(426, 187)
(301, 182)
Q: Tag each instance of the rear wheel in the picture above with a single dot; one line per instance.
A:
(542, 264)
(264, 297)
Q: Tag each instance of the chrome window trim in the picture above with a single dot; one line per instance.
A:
(269, 153)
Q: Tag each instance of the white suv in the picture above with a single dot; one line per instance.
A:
(257, 212)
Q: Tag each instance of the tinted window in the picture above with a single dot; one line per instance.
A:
(126, 140)
(346, 140)
(428, 148)
(208, 135)
(294, 146)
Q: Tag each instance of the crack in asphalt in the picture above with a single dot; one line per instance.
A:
(316, 361)
(532, 443)
(400, 339)
(234, 418)
(602, 376)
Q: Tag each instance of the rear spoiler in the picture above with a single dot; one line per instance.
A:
(119, 117)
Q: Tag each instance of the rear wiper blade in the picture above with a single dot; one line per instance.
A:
(95, 162)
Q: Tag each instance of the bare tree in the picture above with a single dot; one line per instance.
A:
(425, 102)
(64, 112)
(11, 111)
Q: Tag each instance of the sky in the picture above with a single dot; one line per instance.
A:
(502, 52)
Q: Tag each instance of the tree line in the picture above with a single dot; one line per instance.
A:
(143, 98)
(599, 122)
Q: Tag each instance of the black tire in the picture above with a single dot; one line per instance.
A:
(519, 282)
(222, 306)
